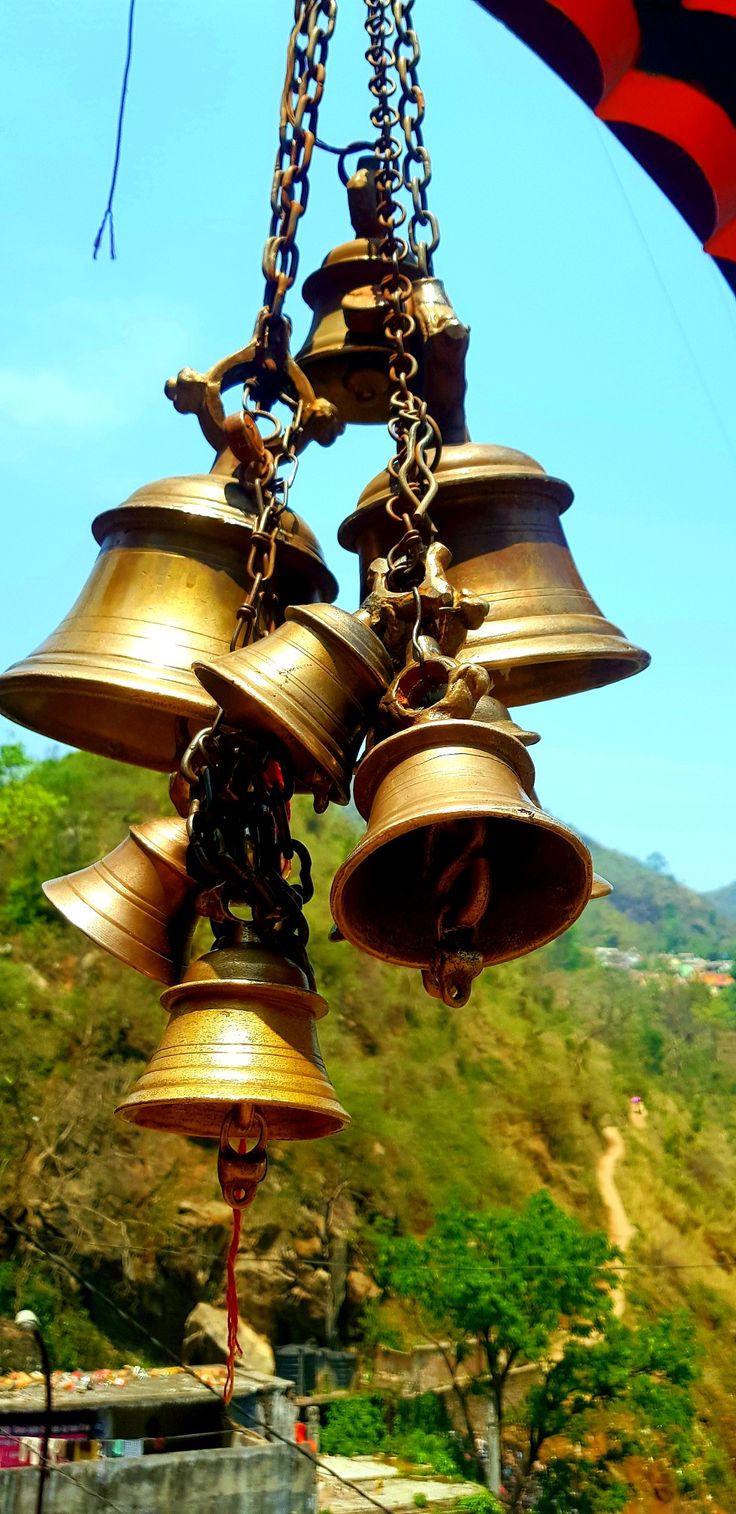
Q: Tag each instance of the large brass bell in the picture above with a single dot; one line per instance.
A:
(499, 514)
(453, 837)
(115, 677)
(138, 903)
(241, 1032)
(314, 683)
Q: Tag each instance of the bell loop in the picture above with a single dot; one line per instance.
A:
(239, 1173)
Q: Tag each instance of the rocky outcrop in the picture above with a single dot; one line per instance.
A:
(205, 1341)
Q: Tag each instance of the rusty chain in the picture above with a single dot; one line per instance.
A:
(417, 166)
(306, 59)
(234, 791)
(240, 842)
(416, 436)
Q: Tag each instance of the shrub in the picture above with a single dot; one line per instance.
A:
(420, 1500)
(425, 1448)
(355, 1427)
(481, 1502)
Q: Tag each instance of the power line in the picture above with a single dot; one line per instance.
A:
(90, 1492)
(602, 137)
(107, 218)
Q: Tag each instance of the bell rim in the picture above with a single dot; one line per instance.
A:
(368, 845)
(328, 1121)
(186, 701)
(578, 653)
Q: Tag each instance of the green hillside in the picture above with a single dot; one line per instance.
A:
(724, 900)
(487, 1103)
(652, 912)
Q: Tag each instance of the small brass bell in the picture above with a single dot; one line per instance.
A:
(241, 1031)
(499, 514)
(115, 677)
(314, 683)
(138, 902)
(456, 852)
(346, 355)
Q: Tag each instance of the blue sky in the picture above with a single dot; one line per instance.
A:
(603, 343)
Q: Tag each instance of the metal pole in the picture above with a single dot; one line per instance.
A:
(27, 1320)
(493, 1472)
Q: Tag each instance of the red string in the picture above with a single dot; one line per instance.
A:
(234, 1348)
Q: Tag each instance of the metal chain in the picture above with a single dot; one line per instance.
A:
(417, 168)
(416, 435)
(306, 58)
(240, 842)
(237, 791)
(259, 609)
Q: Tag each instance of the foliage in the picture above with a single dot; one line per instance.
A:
(532, 1286)
(354, 1427)
(420, 1500)
(481, 1502)
(478, 1109)
(507, 1279)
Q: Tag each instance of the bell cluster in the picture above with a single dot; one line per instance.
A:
(403, 703)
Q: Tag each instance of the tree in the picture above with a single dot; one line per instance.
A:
(533, 1287)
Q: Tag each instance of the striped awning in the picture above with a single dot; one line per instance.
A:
(662, 75)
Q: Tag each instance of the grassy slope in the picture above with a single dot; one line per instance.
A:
(488, 1102)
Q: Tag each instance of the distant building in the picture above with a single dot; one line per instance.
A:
(715, 981)
(615, 956)
(132, 1412)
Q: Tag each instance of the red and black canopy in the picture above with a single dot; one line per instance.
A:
(662, 75)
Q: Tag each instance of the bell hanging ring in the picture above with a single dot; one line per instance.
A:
(498, 512)
(240, 1172)
(241, 1032)
(457, 860)
(139, 902)
(313, 683)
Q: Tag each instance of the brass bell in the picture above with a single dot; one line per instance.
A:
(241, 1031)
(346, 355)
(453, 837)
(115, 677)
(600, 888)
(499, 514)
(314, 683)
(138, 902)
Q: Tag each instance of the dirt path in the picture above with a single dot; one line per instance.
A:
(620, 1229)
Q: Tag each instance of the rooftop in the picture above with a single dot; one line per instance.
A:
(132, 1387)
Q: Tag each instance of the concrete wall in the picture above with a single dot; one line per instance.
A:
(268, 1479)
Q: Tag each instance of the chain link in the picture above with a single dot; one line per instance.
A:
(259, 609)
(306, 59)
(417, 169)
(417, 438)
